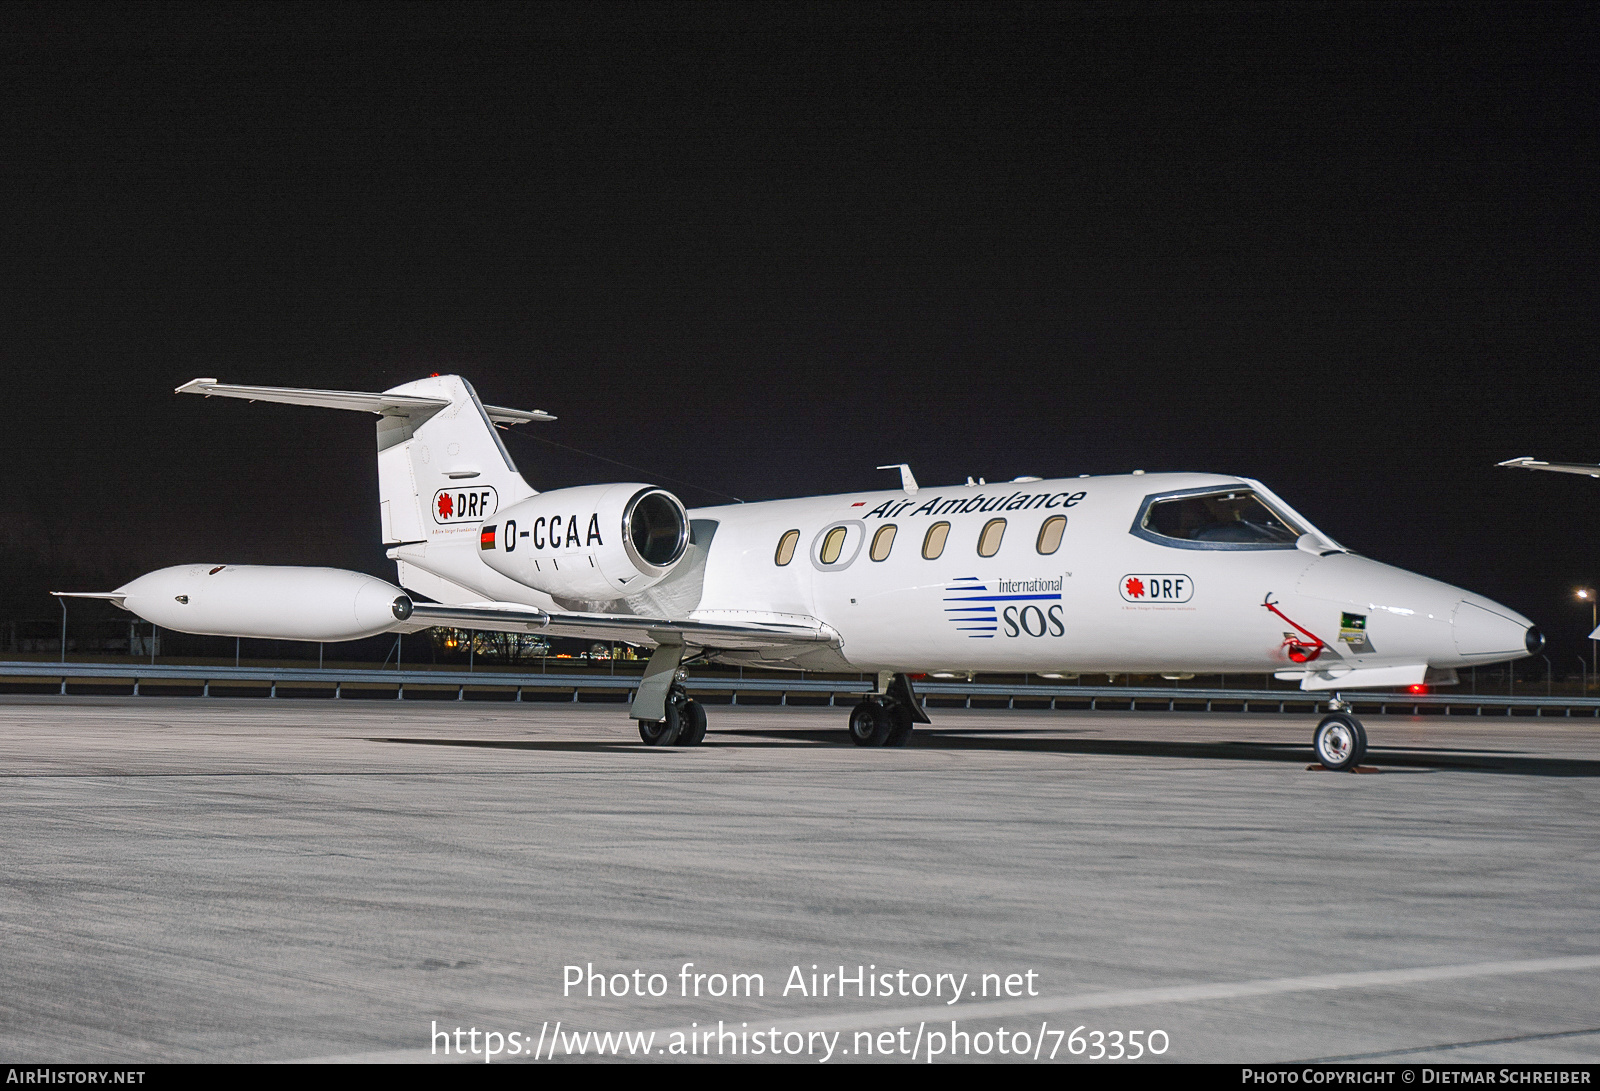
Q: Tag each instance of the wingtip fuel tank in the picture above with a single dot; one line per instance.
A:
(267, 601)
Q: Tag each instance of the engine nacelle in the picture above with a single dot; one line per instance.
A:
(593, 543)
(274, 602)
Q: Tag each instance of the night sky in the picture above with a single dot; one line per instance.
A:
(758, 250)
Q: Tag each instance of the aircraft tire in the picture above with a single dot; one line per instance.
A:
(900, 732)
(1340, 742)
(693, 732)
(662, 732)
(870, 724)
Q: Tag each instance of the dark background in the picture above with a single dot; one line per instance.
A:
(759, 249)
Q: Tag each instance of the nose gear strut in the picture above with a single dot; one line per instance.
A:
(1340, 740)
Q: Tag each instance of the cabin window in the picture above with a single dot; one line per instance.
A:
(933, 543)
(786, 546)
(1050, 534)
(989, 540)
(882, 542)
(833, 544)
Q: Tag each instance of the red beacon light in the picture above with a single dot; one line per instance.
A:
(1418, 687)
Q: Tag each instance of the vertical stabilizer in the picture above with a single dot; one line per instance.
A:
(442, 470)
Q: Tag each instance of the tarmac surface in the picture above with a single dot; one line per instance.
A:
(233, 879)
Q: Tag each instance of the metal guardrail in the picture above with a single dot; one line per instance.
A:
(1097, 697)
(459, 680)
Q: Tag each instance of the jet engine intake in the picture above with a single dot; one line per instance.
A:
(593, 542)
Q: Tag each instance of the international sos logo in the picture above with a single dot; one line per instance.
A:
(1157, 587)
(464, 505)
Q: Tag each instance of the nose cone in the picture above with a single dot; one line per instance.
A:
(1408, 617)
(1485, 630)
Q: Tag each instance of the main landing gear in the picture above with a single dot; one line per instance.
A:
(875, 723)
(667, 715)
(1340, 742)
(684, 724)
(886, 719)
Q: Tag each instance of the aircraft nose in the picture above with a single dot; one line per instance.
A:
(1487, 630)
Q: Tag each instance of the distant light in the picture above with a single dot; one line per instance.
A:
(1584, 592)
(1418, 687)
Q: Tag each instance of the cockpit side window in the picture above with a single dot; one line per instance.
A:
(1215, 519)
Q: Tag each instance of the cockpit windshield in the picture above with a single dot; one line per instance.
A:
(1231, 518)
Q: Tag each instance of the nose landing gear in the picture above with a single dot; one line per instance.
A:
(1340, 742)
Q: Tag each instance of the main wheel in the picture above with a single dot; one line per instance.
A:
(870, 724)
(693, 731)
(1340, 742)
(900, 732)
(662, 732)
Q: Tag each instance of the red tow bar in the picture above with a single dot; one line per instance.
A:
(1299, 650)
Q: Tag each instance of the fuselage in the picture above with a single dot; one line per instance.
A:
(1100, 589)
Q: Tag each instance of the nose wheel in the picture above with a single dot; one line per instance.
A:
(1340, 742)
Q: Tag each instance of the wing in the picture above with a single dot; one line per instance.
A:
(773, 631)
(1528, 463)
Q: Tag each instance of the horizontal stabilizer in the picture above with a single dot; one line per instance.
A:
(388, 405)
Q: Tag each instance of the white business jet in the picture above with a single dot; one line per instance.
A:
(1175, 574)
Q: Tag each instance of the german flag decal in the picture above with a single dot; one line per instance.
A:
(486, 538)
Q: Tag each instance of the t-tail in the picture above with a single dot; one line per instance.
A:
(442, 466)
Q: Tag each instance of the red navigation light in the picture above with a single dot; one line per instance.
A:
(1419, 688)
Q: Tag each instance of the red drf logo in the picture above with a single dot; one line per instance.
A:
(464, 505)
(1156, 587)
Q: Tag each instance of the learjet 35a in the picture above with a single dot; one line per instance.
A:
(1177, 573)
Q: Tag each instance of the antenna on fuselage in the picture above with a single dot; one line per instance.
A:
(907, 482)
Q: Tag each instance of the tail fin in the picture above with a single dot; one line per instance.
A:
(442, 468)
(445, 472)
